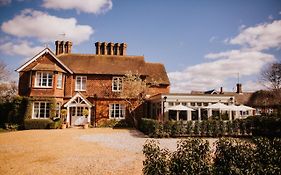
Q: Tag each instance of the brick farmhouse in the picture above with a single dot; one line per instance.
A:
(63, 79)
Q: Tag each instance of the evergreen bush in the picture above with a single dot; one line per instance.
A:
(38, 123)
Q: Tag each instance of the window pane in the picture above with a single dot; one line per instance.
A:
(36, 110)
(59, 81)
(84, 83)
(38, 79)
(42, 110)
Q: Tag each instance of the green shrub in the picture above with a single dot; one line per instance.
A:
(156, 160)
(192, 157)
(188, 128)
(56, 124)
(229, 128)
(268, 154)
(196, 128)
(261, 156)
(150, 127)
(37, 123)
(11, 126)
(234, 156)
(265, 125)
(122, 124)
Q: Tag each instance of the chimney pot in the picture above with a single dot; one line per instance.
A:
(123, 49)
(221, 90)
(67, 47)
(116, 49)
(98, 48)
(104, 48)
(238, 88)
(110, 48)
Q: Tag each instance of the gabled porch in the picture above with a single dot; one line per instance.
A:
(75, 107)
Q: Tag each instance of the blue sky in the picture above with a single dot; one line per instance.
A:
(203, 44)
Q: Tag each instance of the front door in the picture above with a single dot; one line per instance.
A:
(76, 116)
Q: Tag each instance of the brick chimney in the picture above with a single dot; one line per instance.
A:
(98, 46)
(110, 48)
(221, 90)
(67, 47)
(63, 47)
(239, 88)
(105, 48)
(123, 48)
(116, 49)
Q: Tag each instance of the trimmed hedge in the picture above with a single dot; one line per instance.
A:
(205, 128)
(38, 123)
(266, 125)
(232, 156)
(111, 123)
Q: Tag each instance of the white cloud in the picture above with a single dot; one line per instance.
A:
(260, 37)
(88, 6)
(40, 25)
(5, 2)
(213, 74)
(22, 48)
(252, 86)
(223, 66)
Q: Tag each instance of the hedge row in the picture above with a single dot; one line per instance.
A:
(42, 124)
(206, 128)
(232, 156)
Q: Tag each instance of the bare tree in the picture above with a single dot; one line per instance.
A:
(3, 71)
(134, 91)
(8, 89)
(271, 77)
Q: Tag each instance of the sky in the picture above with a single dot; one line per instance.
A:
(204, 44)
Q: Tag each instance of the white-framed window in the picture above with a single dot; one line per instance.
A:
(117, 83)
(117, 111)
(59, 80)
(80, 83)
(44, 79)
(41, 110)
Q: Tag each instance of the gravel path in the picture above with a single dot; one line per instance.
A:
(74, 151)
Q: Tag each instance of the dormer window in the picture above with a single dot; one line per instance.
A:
(80, 83)
(44, 79)
(117, 84)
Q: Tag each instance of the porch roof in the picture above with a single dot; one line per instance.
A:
(79, 94)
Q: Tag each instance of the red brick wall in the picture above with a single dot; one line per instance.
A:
(24, 80)
(23, 87)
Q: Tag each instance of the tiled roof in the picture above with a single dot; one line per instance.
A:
(114, 65)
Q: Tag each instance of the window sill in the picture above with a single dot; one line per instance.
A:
(116, 91)
(76, 90)
(42, 87)
(112, 118)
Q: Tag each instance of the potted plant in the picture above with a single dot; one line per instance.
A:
(63, 115)
(85, 113)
